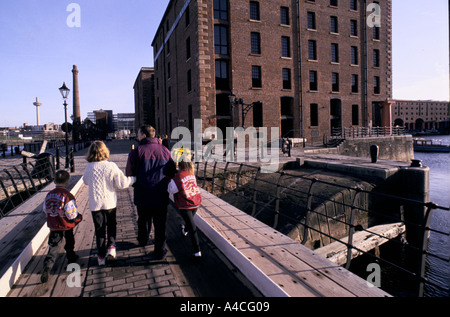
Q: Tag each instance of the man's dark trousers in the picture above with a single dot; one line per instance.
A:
(157, 215)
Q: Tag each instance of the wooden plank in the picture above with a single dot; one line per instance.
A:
(363, 240)
(293, 267)
(29, 283)
(31, 243)
(252, 243)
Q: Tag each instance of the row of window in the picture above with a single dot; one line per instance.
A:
(222, 14)
(354, 60)
(314, 115)
(221, 47)
(334, 26)
(222, 79)
(353, 5)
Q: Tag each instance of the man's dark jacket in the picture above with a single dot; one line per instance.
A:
(149, 163)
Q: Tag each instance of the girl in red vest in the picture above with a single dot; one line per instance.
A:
(187, 198)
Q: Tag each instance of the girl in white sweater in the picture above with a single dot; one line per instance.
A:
(103, 178)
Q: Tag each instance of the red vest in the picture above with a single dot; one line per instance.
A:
(188, 196)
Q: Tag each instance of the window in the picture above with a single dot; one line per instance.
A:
(353, 5)
(168, 71)
(355, 115)
(254, 11)
(220, 39)
(220, 10)
(334, 82)
(313, 80)
(376, 85)
(256, 77)
(354, 55)
(376, 58)
(376, 33)
(334, 3)
(187, 16)
(257, 114)
(334, 53)
(285, 46)
(334, 25)
(255, 43)
(188, 48)
(355, 87)
(222, 80)
(314, 114)
(284, 11)
(312, 53)
(353, 28)
(190, 118)
(169, 92)
(311, 20)
(189, 81)
(287, 78)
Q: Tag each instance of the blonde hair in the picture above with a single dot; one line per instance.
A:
(186, 164)
(97, 152)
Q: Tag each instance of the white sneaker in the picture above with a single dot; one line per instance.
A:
(112, 252)
(101, 261)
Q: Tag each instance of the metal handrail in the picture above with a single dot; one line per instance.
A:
(366, 132)
(18, 183)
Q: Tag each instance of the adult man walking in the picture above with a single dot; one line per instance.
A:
(148, 163)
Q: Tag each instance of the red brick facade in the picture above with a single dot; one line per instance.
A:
(206, 50)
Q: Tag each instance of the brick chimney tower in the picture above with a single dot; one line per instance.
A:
(76, 97)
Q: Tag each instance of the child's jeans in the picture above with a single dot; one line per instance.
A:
(54, 239)
(105, 230)
(188, 217)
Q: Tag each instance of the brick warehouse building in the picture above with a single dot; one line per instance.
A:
(144, 99)
(422, 115)
(312, 65)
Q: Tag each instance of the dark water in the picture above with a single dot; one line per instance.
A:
(438, 271)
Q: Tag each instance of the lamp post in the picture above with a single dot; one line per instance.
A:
(234, 101)
(65, 93)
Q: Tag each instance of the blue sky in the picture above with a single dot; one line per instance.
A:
(38, 50)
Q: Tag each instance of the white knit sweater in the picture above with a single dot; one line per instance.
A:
(103, 178)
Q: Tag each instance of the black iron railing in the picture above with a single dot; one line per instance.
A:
(322, 211)
(18, 183)
(363, 132)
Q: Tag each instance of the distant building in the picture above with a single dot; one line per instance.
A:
(314, 65)
(144, 98)
(125, 121)
(110, 122)
(421, 115)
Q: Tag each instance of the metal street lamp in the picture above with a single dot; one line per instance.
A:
(65, 93)
(234, 101)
